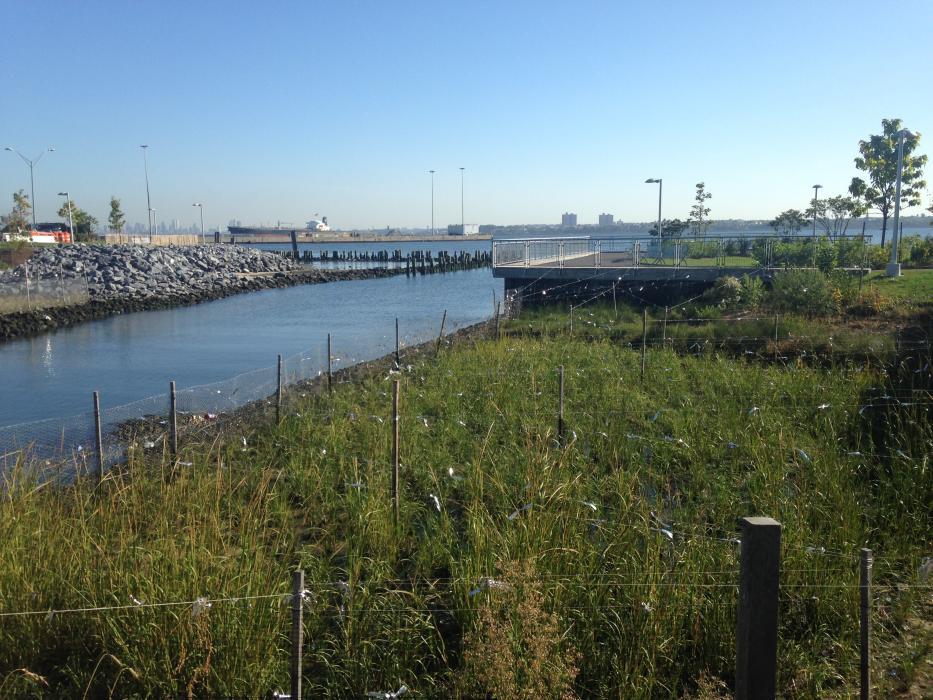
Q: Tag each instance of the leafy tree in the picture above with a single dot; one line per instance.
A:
(84, 223)
(699, 212)
(878, 157)
(116, 220)
(834, 214)
(18, 218)
(672, 228)
(789, 222)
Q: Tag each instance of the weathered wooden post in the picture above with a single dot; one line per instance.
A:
(61, 282)
(295, 245)
(664, 329)
(560, 405)
(395, 450)
(26, 268)
(99, 438)
(571, 319)
(498, 315)
(298, 587)
(172, 419)
(615, 307)
(756, 630)
(440, 335)
(330, 372)
(775, 337)
(278, 390)
(865, 624)
(398, 348)
(644, 340)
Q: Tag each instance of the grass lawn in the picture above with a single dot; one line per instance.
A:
(913, 285)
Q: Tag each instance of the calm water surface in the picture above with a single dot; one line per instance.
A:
(130, 357)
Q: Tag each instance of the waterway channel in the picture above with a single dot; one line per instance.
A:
(129, 357)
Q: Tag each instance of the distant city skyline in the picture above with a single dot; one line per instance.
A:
(546, 110)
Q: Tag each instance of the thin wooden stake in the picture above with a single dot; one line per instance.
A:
(775, 337)
(615, 308)
(664, 329)
(298, 587)
(172, 419)
(61, 282)
(26, 266)
(330, 372)
(98, 434)
(865, 624)
(398, 347)
(278, 391)
(571, 319)
(644, 340)
(560, 405)
(395, 450)
(440, 335)
(498, 315)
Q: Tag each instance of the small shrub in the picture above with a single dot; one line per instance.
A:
(753, 292)
(806, 292)
(725, 293)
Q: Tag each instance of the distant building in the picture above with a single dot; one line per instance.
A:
(463, 229)
(568, 219)
(605, 220)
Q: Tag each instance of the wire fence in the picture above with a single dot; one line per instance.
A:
(31, 293)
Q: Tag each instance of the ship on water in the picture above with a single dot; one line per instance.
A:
(280, 229)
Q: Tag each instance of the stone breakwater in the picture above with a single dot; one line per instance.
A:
(123, 279)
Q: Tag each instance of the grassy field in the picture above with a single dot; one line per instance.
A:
(913, 285)
(603, 565)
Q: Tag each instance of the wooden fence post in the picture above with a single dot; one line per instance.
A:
(395, 450)
(440, 335)
(775, 337)
(560, 405)
(644, 339)
(278, 390)
(98, 435)
(398, 347)
(615, 308)
(865, 624)
(298, 587)
(26, 267)
(330, 373)
(664, 330)
(61, 282)
(756, 629)
(498, 315)
(172, 419)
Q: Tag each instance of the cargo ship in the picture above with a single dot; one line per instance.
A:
(313, 226)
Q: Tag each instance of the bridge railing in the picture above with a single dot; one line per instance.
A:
(751, 251)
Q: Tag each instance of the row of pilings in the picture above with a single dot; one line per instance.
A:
(422, 262)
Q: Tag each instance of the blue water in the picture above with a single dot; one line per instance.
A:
(133, 356)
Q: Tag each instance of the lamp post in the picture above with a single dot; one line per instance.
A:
(816, 197)
(462, 219)
(32, 183)
(148, 202)
(71, 218)
(432, 201)
(894, 267)
(200, 207)
(652, 181)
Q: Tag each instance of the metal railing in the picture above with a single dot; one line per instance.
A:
(797, 251)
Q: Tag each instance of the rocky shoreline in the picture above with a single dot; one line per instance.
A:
(125, 279)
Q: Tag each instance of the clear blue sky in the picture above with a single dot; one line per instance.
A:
(278, 110)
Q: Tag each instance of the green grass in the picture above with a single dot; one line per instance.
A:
(697, 443)
(912, 285)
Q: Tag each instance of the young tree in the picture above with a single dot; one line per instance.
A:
(834, 214)
(878, 157)
(84, 223)
(116, 220)
(699, 212)
(672, 228)
(17, 220)
(789, 222)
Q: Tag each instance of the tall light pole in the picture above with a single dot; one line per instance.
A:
(71, 218)
(816, 197)
(652, 180)
(894, 267)
(200, 207)
(462, 220)
(32, 182)
(148, 202)
(432, 201)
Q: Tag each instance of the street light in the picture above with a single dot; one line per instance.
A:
(32, 183)
(652, 181)
(201, 209)
(71, 218)
(148, 203)
(462, 220)
(816, 196)
(432, 201)
(894, 267)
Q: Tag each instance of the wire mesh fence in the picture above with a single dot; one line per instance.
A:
(28, 292)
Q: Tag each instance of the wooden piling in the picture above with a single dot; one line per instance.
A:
(297, 635)
(173, 419)
(865, 567)
(440, 336)
(756, 628)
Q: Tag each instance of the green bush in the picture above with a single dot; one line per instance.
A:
(753, 292)
(806, 292)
